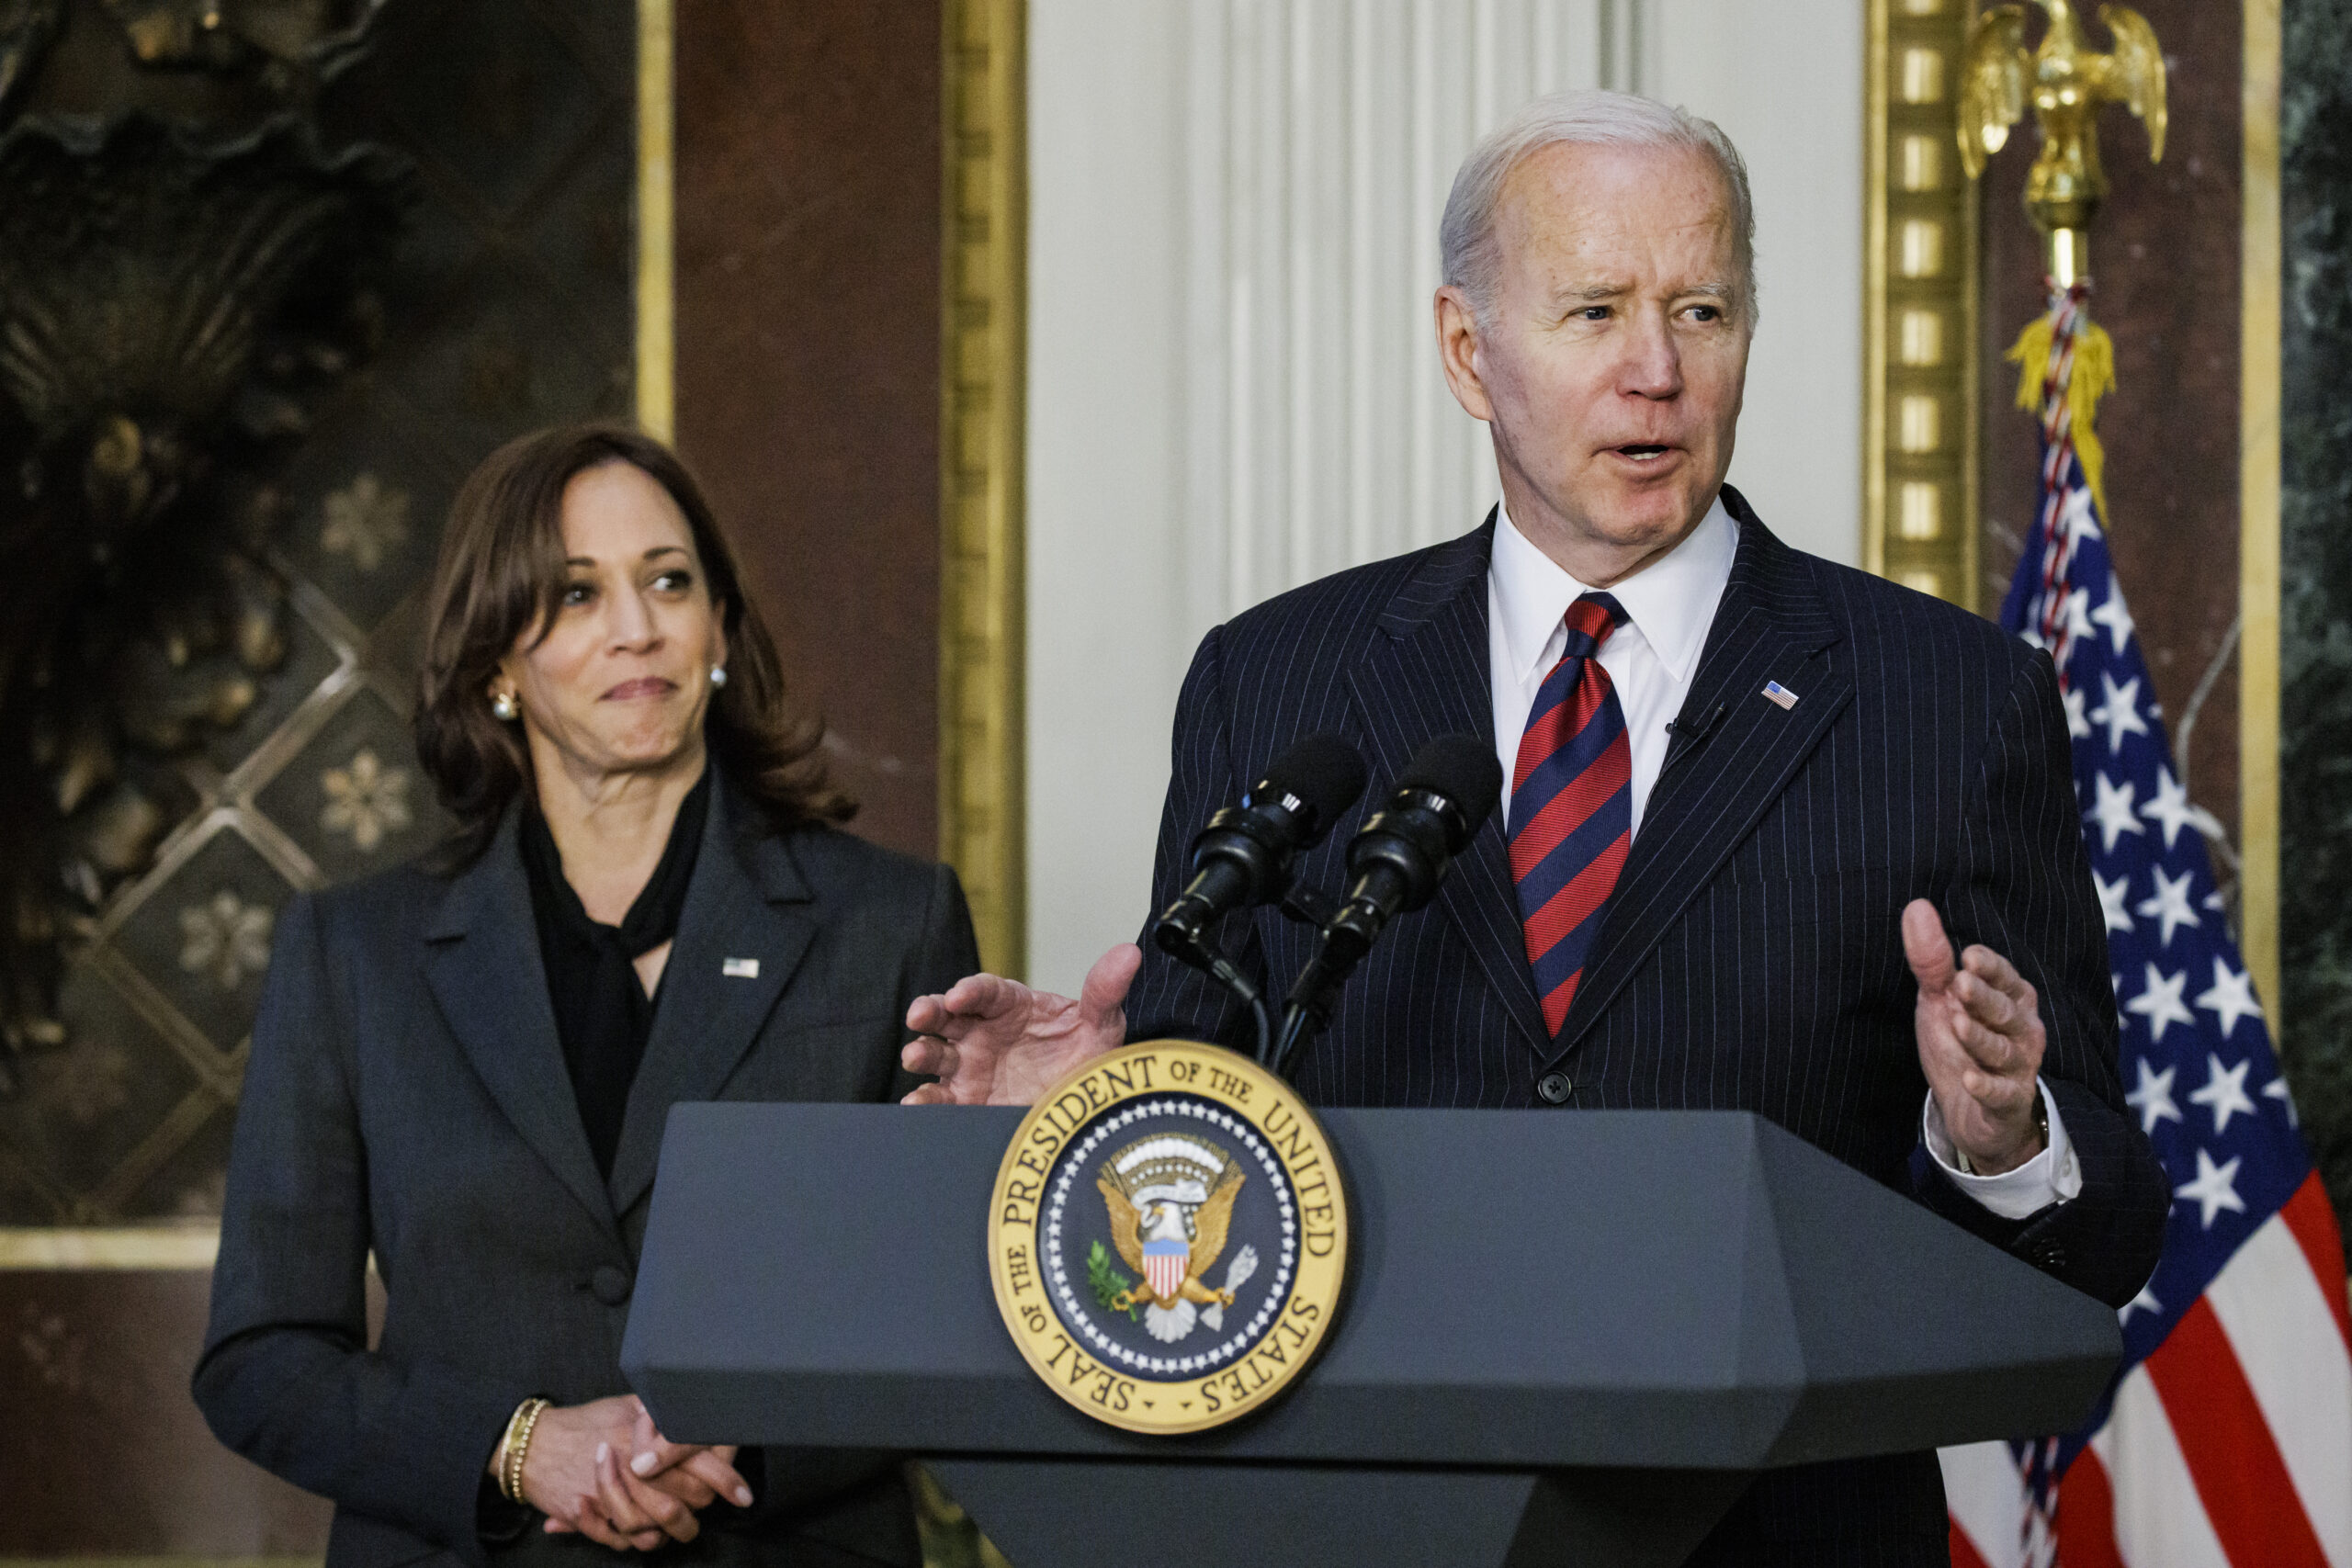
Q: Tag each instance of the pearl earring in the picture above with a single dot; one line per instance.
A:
(504, 705)
(718, 676)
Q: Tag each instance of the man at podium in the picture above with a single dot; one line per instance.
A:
(1774, 835)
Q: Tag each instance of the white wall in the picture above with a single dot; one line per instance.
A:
(1232, 381)
(1784, 80)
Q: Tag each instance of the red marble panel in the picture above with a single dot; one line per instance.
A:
(103, 1453)
(2166, 267)
(809, 159)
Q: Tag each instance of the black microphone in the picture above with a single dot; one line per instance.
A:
(1395, 865)
(1243, 856)
(1403, 852)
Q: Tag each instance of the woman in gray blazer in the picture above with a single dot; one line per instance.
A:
(461, 1069)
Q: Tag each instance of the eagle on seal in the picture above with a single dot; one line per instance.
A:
(1170, 1199)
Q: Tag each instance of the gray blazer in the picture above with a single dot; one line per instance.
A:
(406, 1097)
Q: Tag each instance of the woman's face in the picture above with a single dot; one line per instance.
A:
(620, 680)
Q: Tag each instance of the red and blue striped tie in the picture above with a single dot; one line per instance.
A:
(1571, 807)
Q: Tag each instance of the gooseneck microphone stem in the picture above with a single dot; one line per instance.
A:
(1264, 1025)
(1222, 970)
(1300, 1024)
(1308, 1011)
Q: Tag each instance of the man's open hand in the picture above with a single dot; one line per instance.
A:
(990, 1040)
(1979, 1025)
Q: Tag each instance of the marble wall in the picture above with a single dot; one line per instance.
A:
(807, 359)
(2315, 917)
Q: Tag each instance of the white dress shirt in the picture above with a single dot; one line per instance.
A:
(1651, 658)
(1668, 605)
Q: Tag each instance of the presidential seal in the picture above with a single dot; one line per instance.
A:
(1168, 1237)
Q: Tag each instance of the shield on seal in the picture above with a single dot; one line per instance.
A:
(1163, 1267)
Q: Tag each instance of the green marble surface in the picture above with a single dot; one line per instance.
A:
(2315, 849)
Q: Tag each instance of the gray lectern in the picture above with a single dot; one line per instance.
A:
(1570, 1337)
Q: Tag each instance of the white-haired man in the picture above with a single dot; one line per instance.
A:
(1747, 793)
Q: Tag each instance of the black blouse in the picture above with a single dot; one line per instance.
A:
(601, 1013)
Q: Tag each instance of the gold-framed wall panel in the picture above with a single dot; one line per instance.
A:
(656, 365)
(2259, 394)
(982, 663)
(1921, 438)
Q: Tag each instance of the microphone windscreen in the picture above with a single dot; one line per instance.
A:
(1464, 770)
(1323, 771)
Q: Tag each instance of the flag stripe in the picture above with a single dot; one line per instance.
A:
(2230, 1453)
(2158, 1521)
(1986, 1498)
(1963, 1551)
(2313, 1224)
(2285, 1341)
(2086, 1516)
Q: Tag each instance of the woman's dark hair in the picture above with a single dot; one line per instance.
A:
(501, 572)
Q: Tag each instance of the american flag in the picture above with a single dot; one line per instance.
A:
(2228, 1437)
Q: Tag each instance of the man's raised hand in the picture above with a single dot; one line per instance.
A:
(1979, 1025)
(990, 1040)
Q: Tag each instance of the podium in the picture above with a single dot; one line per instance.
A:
(1570, 1338)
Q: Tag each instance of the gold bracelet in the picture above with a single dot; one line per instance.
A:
(506, 1448)
(515, 1446)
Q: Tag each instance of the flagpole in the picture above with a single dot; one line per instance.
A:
(2068, 258)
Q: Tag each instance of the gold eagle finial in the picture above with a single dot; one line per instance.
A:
(2065, 81)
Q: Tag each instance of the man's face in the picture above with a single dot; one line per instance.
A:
(1615, 349)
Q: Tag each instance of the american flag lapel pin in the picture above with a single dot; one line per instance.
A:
(1776, 693)
(741, 968)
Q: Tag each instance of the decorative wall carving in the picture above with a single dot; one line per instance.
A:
(294, 44)
(27, 28)
(285, 281)
(171, 311)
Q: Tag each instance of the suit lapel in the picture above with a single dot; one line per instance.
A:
(482, 961)
(748, 901)
(1770, 626)
(1425, 675)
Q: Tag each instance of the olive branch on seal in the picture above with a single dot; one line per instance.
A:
(1107, 1282)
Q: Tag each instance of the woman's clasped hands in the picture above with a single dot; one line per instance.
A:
(602, 1471)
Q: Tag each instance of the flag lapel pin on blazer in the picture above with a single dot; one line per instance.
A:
(1776, 693)
(741, 968)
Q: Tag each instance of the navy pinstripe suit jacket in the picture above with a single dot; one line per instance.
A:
(1750, 957)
